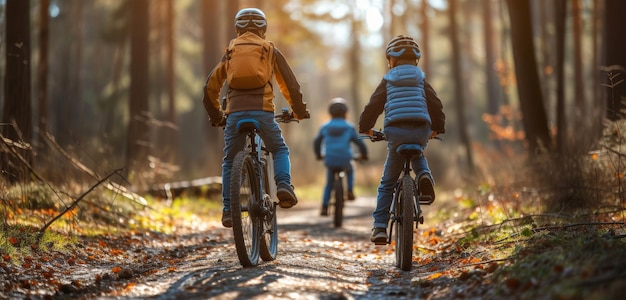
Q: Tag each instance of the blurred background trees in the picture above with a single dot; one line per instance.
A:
(119, 83)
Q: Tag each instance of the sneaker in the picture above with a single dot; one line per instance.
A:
(379, 236)
(227, 219)
(286, 196)
(324, 211)
(351, 195)
(426, 188)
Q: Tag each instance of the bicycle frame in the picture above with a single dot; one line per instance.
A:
(258, 236)
(405, 211)
(266, 165)
(337, 202)
(253, 196)
(407, 151)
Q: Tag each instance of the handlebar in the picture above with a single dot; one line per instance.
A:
(287, 116)
(379, 135)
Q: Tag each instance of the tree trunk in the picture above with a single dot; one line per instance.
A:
(528, 87)
(17, 102)
(580, 97)
(171, 130)
(42, 70)
(560, 13)
(212, 53)
(138, 130)
(232, 7)
(614, 60)
(492, 86)
(425, 42)
(355, 67)
(459, 93)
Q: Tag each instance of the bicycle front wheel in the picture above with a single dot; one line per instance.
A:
(244, 195)
(404, 234)
(338, 214)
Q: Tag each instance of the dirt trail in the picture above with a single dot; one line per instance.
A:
(315, 261)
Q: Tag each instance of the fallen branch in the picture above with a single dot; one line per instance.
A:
(11, 145)
(109, 185)
(576, 225)
(558, 227)
(68, 208)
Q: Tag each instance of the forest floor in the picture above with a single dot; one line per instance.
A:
(458, 257)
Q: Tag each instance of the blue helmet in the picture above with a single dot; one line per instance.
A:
(403, 46)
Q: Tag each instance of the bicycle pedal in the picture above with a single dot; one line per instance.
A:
(380, 243)
(426, 199)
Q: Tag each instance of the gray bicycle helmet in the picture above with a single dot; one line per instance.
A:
(337, 107)
(403, 46)
(250, 19)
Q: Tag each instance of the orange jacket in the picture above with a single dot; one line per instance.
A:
(252, 99)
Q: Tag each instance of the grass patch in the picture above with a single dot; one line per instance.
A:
(563, 263)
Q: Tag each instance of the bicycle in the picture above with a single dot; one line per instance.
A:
(253, 196)
(337, 203)
(405, 212)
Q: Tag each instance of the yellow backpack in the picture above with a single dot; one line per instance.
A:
(250, 61)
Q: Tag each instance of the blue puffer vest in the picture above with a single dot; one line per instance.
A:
(406, 99)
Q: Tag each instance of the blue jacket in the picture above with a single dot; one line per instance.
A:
(337, 136)
(406, 100)
(405, 96)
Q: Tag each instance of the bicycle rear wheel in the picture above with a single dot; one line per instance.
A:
(269, 236)
(244, 195)
(404, 233)
(338, 213)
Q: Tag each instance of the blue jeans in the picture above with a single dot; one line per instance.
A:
(234, 142)
(330, 179)
(393, 166)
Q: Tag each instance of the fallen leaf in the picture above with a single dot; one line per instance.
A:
(492, 267)
(465, 275)
(512, 283)
(435, 276)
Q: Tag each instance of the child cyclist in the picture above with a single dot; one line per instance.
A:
(413, 114)
(256, 103)
(337, 135)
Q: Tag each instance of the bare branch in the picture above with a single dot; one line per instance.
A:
(71, 206)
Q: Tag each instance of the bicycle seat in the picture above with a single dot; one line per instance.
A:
(410, 149)
(247, 124)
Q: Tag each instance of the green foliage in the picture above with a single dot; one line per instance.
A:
(33, 195)
(20, 240)
(560, 264)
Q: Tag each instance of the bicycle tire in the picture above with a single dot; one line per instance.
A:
(339, 201)
(244, 192)
(269, 236)
(404, 234)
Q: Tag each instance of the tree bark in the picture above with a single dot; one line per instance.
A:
(17, 94)
(138, 138)
(580, 96)
(212, 53)
(425, 42)
(560, 13)
(459, 93)
(615, 57)
(493, 104)
(529, 90)
(42, 70)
